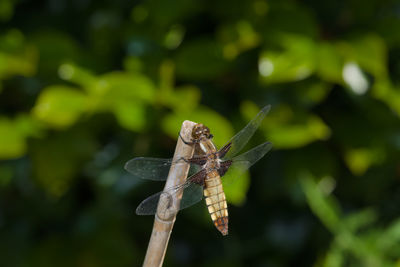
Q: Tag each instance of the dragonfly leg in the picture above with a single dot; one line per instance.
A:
(187, 142)
(184, 159)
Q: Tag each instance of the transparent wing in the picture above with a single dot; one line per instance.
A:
(242, 137)
(192, 193)
(254, 154)
(244, 161)
(155, 169)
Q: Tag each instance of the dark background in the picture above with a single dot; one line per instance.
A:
(87, 85)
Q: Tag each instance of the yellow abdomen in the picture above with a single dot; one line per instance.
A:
(216, 201)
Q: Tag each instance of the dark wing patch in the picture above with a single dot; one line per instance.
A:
(222, 152)
(199, 177)
(198, 160)
(224, 166)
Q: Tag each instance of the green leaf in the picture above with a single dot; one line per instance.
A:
(60, 106)
(16, 58)
(334, 257)
(370, 52)
(295, 62)
(285, 130)
(357, 220)
(312, 93)
(360, 159)
(173, 99)
(73, 73)
(323, 206)
(237, 187)
(130, 114)
(12, 140)
(298, 135)
(117, 86)
(384, 90)
(238, 37)
(329, 63)
(390, 237)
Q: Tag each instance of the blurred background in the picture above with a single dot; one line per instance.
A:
(87, 85)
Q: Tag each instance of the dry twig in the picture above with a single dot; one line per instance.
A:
(168, 207)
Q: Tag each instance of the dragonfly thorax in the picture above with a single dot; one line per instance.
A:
(212, 164)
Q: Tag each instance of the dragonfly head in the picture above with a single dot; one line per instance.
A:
(200, 132)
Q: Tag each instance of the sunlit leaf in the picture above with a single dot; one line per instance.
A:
(330, 63)
(297, 135)
(73, 73)
(295, 62)
(238, 38)
(28, 126)
(60, 106)
(237, 188)
(16, 58)
(130, 114)
(391, 236)
(173, 99)
(360, 159)
(12, 140)
(174, 37)
(120, 85)
(285, 130)
(324, 207)
(360, 219)
(334, 257)
(369, 51)
(388, 93)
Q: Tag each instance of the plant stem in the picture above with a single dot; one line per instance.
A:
(168, 206)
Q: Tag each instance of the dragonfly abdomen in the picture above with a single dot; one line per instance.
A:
(216, 201)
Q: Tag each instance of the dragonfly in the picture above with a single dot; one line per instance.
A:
(210, 169)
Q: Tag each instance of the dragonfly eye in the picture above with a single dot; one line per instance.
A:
(197, 131)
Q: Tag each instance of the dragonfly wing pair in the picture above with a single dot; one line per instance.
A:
(157, 169)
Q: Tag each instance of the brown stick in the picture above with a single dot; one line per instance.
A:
(168, 206)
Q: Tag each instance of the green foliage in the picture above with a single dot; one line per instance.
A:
(86, 85)
(293, 62)
(13, 135)
(356, 240)
(60, 106)
(16, 57)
